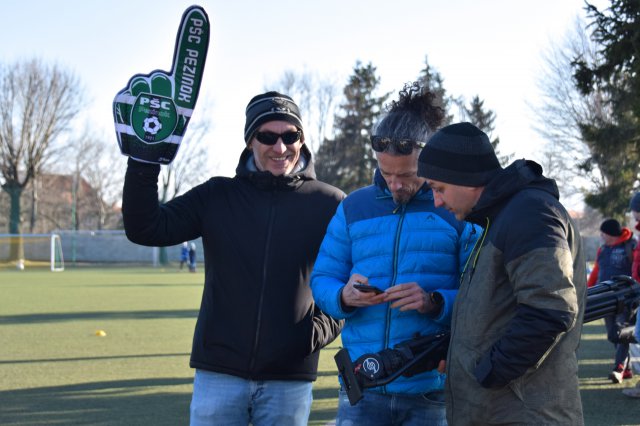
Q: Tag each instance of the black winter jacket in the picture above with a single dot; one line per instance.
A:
(260, 234)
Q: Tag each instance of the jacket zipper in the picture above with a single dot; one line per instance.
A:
(267, 244)
(402, 210)
(473, 259)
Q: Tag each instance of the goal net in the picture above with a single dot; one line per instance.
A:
(22, 251)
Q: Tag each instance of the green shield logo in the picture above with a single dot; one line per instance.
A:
(153, 117)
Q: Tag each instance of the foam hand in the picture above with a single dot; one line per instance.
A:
(152, 112)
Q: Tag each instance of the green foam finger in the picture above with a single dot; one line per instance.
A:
(139, 84)
(189, 57)
(121, 113)
(152, 112)
(161, 84)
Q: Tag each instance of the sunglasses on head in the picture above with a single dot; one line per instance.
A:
(400, 146)
(271, 138)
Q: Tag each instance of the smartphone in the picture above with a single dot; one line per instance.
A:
(368, 288)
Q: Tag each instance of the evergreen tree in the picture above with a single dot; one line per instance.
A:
(617, 31)
(431, 79)
(614, 140)
(347, 161)
(485, 121)
(615, 157)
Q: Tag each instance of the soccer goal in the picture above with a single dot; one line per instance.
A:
(31, 250)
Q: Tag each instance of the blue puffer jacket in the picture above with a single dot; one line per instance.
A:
(390, 244)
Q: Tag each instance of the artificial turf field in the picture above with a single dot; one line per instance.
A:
(55, 369)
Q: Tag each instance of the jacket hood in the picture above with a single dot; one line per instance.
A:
(625, 236)
(304, 170)
(521, 174)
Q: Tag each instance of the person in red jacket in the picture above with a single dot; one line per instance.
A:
(634, 206)
(615, 257)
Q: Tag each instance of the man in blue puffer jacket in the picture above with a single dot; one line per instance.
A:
(390, 235)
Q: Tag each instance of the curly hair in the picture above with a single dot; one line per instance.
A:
(413, 116)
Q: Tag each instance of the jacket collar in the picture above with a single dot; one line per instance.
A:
(304, 170)
(519, 175)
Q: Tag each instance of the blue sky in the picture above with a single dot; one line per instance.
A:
(489, 48)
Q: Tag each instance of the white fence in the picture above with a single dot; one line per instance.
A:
(101, 247)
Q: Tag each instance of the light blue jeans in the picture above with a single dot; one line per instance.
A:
(221, 399)
(376, 409)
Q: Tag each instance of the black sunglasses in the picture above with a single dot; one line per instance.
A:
(400, 146)
(271, 138)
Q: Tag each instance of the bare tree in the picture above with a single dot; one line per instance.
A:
(93, 158)
(316, 98)
(107, 184)
(563, 108)
(37, 104)
(190, 165)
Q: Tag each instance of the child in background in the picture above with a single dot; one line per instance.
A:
(615, 257)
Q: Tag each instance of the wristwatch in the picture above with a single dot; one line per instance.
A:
(436, 298)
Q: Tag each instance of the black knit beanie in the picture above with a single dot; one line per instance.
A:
(270, 106)
(634, 205)
(611, 227)
(459, 154)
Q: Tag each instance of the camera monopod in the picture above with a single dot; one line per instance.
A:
(378, 369)
(423, 353)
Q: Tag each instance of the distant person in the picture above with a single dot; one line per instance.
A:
(259, 333)
(615, 257)
(184, 254)
(518, 316)
(192, 257)
(634, 206)
(391, 236)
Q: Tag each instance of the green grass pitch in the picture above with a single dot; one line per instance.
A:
(55, 369)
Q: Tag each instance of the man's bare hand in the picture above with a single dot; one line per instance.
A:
(355, 298)
(410, 296)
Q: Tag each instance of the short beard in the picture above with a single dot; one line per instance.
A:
(402, 198)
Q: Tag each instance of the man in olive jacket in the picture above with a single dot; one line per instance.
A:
(517, 319)
(259, 333)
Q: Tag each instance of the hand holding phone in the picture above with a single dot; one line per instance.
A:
(368, 288)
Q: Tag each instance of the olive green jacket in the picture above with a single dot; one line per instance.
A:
(518, 315)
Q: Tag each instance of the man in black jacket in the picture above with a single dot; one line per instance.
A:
(259, 333)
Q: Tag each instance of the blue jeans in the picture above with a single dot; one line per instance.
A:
(376, 409)
(613, 324)
(221, 399)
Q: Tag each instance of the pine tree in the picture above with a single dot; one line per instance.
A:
(614, 140)
(484, 120)
(347, 161)
(431, 79)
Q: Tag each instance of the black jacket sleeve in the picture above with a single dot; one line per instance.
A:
(149, 223)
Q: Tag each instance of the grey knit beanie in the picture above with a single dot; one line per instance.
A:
(459, 154)
(270, 106)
